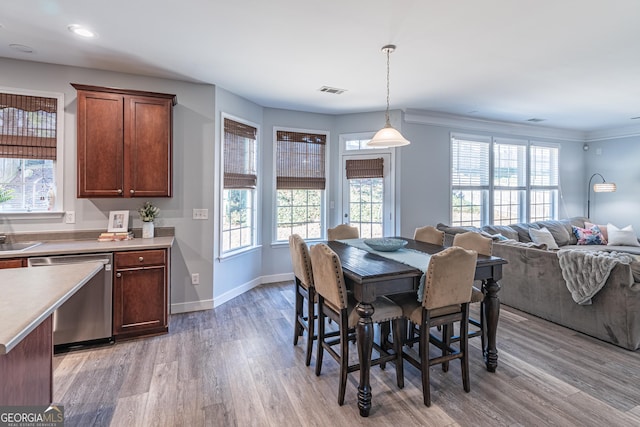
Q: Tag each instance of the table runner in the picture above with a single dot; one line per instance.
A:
(411, 257)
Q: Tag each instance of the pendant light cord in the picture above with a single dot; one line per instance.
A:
(388, 123)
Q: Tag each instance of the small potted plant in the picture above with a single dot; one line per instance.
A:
(148, 213)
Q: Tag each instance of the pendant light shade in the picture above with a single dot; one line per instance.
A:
(388, 136)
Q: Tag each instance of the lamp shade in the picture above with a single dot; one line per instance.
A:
(604, 187)
(388, 136)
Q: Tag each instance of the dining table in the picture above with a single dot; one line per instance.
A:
(370, 274)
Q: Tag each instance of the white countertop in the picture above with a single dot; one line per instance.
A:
(30, 295)
(63, 247)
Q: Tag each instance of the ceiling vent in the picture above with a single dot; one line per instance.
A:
(535, 120)
(333, 90)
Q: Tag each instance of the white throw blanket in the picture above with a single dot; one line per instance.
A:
(586, 272)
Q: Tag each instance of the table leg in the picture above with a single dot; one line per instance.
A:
(364, 334)
(492, 310)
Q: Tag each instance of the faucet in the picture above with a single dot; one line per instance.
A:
(3, 239)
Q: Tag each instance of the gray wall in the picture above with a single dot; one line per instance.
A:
(422, 176)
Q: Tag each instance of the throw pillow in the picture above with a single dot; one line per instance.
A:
(622, 236)
(603, 229)
(589, 236)
(543, 236)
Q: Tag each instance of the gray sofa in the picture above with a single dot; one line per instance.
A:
(532, 282)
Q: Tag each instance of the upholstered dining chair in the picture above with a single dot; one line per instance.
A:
(483, 246)
(343, 231)
(447, 293)
(429, 234)
(334, 302)
(304, 291)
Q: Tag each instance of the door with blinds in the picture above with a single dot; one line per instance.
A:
(366, 194)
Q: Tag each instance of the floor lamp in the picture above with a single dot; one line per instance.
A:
(602, 187)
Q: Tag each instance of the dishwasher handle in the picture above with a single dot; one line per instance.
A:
(45, 261)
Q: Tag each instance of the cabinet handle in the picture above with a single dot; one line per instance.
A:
(141, 259)
(131, 191)
(119, 190)
(118, 274)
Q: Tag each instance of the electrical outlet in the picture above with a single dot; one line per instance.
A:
(70, 217)
(201, 214)
(195, 278)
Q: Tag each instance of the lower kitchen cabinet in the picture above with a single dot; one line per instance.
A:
(140, 293)
(13, 262)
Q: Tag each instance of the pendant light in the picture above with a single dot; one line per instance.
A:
(388, 136)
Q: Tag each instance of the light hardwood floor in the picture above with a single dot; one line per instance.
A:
(236, 366)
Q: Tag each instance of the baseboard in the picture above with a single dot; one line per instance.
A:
(184, 307)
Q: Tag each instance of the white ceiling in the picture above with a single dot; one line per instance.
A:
(574, 63)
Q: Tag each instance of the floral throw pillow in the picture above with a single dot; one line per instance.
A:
(589, 236)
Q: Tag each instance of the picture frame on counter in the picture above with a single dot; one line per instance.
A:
(118, 221)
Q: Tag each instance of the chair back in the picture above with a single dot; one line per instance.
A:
(449, 278)
(343, 231)
(475, 242)
(329, 280)
(429, 234)
(301, 260)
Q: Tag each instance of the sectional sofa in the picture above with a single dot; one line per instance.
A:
(533, 281)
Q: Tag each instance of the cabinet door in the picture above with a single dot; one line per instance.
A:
(13, 263)
(148, 147)
(140, 301)
(100, 144)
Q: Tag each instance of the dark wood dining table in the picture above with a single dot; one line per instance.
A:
(370, 275)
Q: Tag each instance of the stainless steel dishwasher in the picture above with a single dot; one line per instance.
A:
(86, 317)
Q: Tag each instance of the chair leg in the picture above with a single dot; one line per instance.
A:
(384, 339)
(320, 349)
(397, 347)
(424, 357)
(447, 333)
(344, 357)
(297, 327)
(464, 341)
(310, 324)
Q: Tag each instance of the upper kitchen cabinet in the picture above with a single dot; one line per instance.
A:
(124, 142)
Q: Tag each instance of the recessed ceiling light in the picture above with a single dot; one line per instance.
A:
(21, 48)
(82, 31)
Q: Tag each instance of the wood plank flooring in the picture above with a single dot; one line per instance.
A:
(236, 366)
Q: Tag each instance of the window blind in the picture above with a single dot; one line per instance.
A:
(470, 163)
(239, 155)
(300, 161)
(28, 126)
(365, 168)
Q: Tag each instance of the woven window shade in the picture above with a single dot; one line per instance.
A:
(365, 168)
(300, 161)
(239, 155)
(28, 127)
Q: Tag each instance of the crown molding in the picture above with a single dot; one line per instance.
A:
(605, 134)
(470, 123)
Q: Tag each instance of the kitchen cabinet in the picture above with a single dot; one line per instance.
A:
(140, 293)
(124, 142)
(13, 262)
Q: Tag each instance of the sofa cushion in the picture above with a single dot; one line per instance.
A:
(503, 230)
(456, 229)
(603, 229)
(589, 236)
(543, 236)
(559, 229)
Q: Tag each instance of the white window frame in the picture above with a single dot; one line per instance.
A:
(323, 196)
(256, 192)
(525, 207)
(58, 208)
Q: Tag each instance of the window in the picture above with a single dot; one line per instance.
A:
(30, 148)
(300, 184)
(502, 181)
(239, 186)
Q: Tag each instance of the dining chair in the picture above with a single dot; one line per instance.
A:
(447, 293)
(304, 291)
(336, 304)
(429, 234)
(343, 231)
(483, 246)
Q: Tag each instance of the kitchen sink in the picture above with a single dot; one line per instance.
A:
(18, 246)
